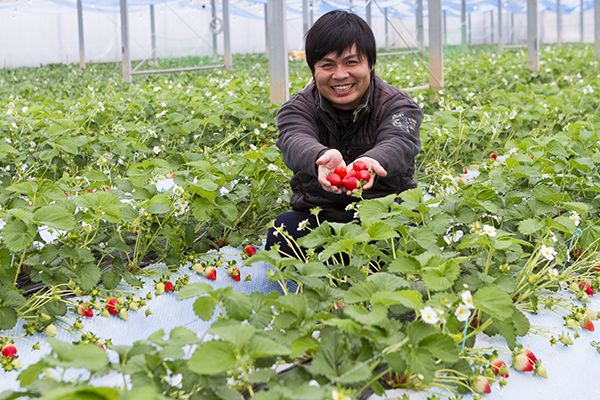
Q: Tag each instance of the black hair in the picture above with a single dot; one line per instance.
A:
(337, 31)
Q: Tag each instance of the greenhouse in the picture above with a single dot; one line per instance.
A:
(299, 199)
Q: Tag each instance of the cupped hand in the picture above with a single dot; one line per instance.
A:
(374, 167)
(327, 163)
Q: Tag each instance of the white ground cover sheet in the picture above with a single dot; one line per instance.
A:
(573, 371)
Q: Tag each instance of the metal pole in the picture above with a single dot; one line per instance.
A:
(213, 15)
(419, 16)
(368, 13)
(499, 25)
(463, 22)
(436, 50)
(558, 24)
(267, 33)
(125, 54)
(512, 27)
(533, 43)
(312, 12)
(541, 25)
(278, 60)
(469, 28)
(153, 33)
(387, 33)
(492, 26)
(581, 32)
(80, 32)
(445, 14)
(227, 56)
(597, 26)
(304, 17)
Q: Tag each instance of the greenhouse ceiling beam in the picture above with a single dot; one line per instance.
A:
(125, 53)
(533, 39)
(436, 60)
(213, 15)
(419, 22)
(80, 34)
(278, 59)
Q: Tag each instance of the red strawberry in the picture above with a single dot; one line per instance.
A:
(234, 273)
(334, 179)
(210, 273)
(586, 288)
(521, 363)
(340, 171)
(85, 310)
(532, 358)
(359, 166)
(465, 170)
(500, 368)
(250, 250)
(350, 183)
(111, 305)
(363, 175)
(9, 350)
(588, 324)
(169, 287)
(493, 156)
(482, 385)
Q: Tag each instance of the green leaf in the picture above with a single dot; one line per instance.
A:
(8, 317)
(17, 235)
(86, 355)
(442, 277)
(235, 332)
(204, 307)
(182, 336)
(408, 298)
(531, 225)
(405, 264)
(54, 216)
(193, 290)
(441, 346)
(376, 315)
(159, 204)
(82, 393)
(494, 302)
(260, 347)
(381, 231)
(88, 276)
(212, 358)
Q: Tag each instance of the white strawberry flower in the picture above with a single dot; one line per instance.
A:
(467, 299)
(335, 395)
(548, 252)
(489, 230)
(462, 313)
(302, 225)
(429, 315)
(553, 273)
(575, 217)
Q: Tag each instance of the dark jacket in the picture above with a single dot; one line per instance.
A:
(385, 127)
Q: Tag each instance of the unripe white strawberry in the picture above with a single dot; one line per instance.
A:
(481, 384)
(51, 330)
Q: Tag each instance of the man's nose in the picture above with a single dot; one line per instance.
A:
(340, 72)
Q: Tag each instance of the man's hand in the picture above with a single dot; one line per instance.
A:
(328, 162)
(374, 166)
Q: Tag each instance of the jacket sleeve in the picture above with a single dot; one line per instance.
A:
(397, 136)
(298, 136)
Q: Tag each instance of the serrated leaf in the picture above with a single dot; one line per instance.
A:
(54, 216)
(17, 235)
(8, 317)
(376, 315)
(442, 277)
(260, 347)
(530, 225)
(88, 276)
(494, 302)
(408, 298)
(381, 231)
(204, 307)
(212, 358)
(441, 346)
(193, 290)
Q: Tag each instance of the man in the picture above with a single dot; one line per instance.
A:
(347, 114)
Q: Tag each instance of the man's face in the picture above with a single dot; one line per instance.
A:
(343, 79)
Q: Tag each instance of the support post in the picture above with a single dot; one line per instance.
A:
(278, 59)
(436, 50)
(267, 31)
(419, 17)
(558, 24)
(469, 29)
(581, 32)
(445, 14)
(533, 43)
(387, 31)
(227, 56)
(80, 33)
(499, 25)
(125, 53)
(597, 26)
(492, 26)
(153, 34)
(213, 15)
(512, 27)
(463, 22)
(368, 14)
(304, 17)
(312, 12)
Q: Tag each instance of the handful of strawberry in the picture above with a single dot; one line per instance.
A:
(350, 180)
